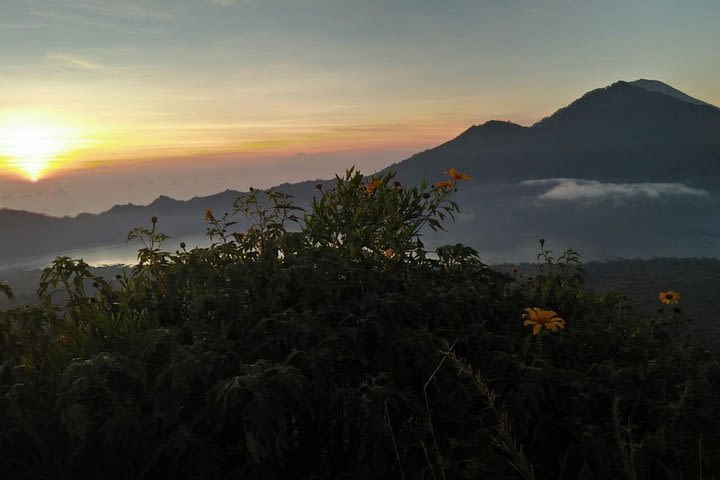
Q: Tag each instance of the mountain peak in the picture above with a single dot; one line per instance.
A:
(499, 124)
(163, 201)
(660, 87)
(631, 112)
(493, 127)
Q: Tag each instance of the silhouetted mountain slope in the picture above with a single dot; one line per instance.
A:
(619, 141)
(623, 114)
(664, 88)
(620, 132)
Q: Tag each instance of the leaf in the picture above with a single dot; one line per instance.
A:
(76, 420)
(252, 447)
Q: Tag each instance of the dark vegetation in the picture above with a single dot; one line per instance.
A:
(346, 350)
(698, 280)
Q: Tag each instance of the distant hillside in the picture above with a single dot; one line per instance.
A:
(628, 170)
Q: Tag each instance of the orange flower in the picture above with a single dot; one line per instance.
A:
(209, 216)
(444, 185)
(370, 187)
(537, 317)
(669, 298)
(455, 175)
(388, 253)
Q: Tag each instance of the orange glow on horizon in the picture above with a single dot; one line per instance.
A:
(33, 145)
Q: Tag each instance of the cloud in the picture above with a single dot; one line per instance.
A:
(544, 181)
(104, 22)
(21, 26)
(75, 61)
(578, 189)
(228, 3)
(125, 10)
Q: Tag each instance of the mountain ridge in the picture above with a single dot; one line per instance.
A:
(620, 134)
(489, 127)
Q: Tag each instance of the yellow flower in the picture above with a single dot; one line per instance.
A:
(444, 185)
(370, 187)
(669, 297)
(455, 175)
(537, 317)
(209, 216)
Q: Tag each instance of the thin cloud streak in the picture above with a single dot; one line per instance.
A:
(58, 18)
(569, 189)
(124, 10)
(22, 26)
(75, 61)
(229, 3)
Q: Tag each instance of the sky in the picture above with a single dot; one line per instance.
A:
(109, 102)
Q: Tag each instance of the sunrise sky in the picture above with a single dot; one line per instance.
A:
(105, 102)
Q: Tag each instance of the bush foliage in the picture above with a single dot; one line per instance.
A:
(331, 344)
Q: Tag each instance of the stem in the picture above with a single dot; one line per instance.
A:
(392, 436)
(427, 405)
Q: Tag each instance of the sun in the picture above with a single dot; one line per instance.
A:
(31, 145)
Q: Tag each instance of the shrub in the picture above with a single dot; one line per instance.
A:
(342, 348)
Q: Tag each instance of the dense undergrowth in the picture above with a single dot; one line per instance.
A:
(341, 348)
